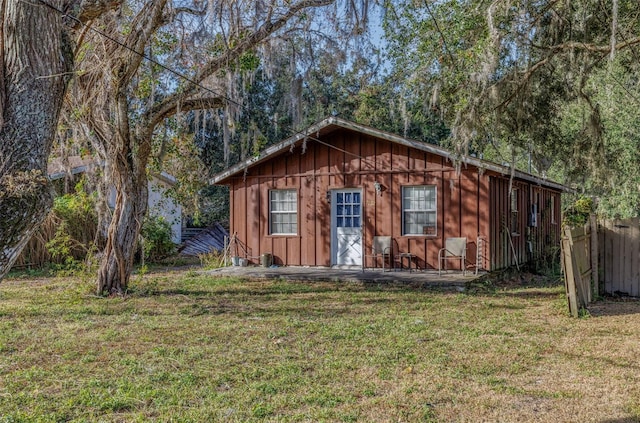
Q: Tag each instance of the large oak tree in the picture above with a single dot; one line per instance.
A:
(128, 88)
(501, 72)
(36, 61)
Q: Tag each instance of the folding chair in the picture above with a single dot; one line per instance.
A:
(454, 249)
(380, 248)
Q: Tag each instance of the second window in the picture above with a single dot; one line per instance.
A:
(419, 210)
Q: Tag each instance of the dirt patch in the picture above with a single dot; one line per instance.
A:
(615, 306)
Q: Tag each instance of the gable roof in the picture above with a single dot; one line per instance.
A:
(58, 168)
(333, 123)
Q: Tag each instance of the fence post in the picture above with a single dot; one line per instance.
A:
(594, 255)
(569, 276)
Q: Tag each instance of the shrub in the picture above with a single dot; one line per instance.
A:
(68, 233)
(212, 260)
(156, 238)
(577, 214)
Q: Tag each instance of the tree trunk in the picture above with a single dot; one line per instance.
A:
(33, 84)
(124, 143)
(127, 166)
(122, 238)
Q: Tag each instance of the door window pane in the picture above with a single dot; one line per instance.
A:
(348, 209)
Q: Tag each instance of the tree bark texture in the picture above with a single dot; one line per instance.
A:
(36, 61)
(130, 207)
(121, 126)
(124, 147)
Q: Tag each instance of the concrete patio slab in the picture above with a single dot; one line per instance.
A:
(425, 279)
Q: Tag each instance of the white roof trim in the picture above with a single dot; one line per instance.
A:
(162, 176)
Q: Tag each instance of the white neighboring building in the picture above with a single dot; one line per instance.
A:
(162, 205)
(159, 204)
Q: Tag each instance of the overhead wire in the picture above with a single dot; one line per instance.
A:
(292, 131)
(141, 54)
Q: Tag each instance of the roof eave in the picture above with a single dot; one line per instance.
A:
(430, 148)
(165, 177)
(270, 151)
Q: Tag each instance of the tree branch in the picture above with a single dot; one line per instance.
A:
(557, 49)
(196, 12)
(588, 47)
(156, 113)
(256, 37)
(144, 25)
(87, 10)
(185, 106)
(523, 80)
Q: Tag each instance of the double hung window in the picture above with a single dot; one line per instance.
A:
(514, 223)
(419, 212)
(283, 212)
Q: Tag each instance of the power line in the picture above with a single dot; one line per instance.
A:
(444, 41)
(143, 55)
(185, 77)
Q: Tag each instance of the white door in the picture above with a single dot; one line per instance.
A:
(346, 227)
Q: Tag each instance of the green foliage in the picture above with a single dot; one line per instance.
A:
(75, 220)
(249, 61)
(76, 207)
(616, 91)
(214, 206)
(259, 144)
(60, 247)
(156, 238)
(437, 54)
(558, 109)
(181, 157)
(577, 214)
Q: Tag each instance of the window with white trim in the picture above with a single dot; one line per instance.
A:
(283, 212)
(553, 209)
(515, 227)
(419, 210)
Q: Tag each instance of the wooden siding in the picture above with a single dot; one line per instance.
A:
(357, 161)
(527, 243)
(470, 203)
(619, 256)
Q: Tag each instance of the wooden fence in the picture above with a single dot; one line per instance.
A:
(601, 258)
(577, 266)
(619, 256)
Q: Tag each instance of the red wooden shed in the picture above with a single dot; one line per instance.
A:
(320, 197)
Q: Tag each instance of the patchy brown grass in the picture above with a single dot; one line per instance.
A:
(188, 347)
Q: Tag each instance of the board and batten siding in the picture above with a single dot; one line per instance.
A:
(527, 243)
(357, 160)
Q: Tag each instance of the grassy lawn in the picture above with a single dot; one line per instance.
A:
(186, 347)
